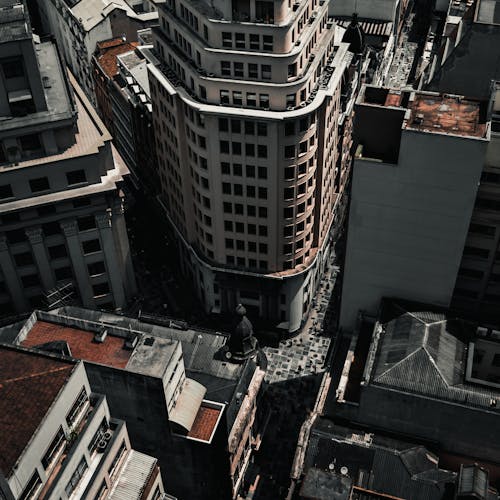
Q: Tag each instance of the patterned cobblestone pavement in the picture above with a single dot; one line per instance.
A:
(294, 373)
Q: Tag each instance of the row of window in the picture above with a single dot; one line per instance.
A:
(244, 41)
(239, 227)
(251, 99)
(249, 191)
(239, 209)
(252, 150)
(242, 262)
(254, 71)
(247, 127)
(42, 183)
(236, 169)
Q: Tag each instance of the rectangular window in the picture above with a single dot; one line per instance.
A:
(23, 259)
(235, 126)
(31, 490)
(264, 101)
(30, 142)
(30, 280)
(224, 96)
(268, 42)
(240, 40)
(254, 42)
(91, 246)
(262, 151)
(289, 128)
(58, 251)
(251, 99)
(77, 407)
(76, 477)
(249, 128)
(227, 39)
(63, 273)
(482, 229)
(476, 252)
(290, 151)
(76, 177)
(40, 184)
(249, 149)
(237, 98)
(100, 289)
(225, 68)
(5, 191)
(238, 70)
(262, 129)
(13, 68)
(223, 125)
(224, 147)
(54, 448)
(253, 71)
(86, 223)
(265, 70)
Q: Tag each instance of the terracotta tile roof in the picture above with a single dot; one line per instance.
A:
(29, 384)
(81, 343)
(205, 423)
(109, 51)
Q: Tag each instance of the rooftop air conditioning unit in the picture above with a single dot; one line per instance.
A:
(303, 104)
(297, 43)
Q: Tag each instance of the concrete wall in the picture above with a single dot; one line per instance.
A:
(457, 429)
(384, 10)
(408, 222)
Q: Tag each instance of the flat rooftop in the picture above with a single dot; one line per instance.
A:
(109, 51)
(488, 12)
(29, 384)
(448, 114)
(14, 21)
(81, 343)
(206, 421)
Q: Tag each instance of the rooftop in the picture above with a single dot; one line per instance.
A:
(134, 477)
(449, 114)
(109, 50)
(375, 462)
(29, 384)
(425, 352)
(432, 112)
(488, 11)
(206, 421)
(14, 21)
(81, 343)
(57, 98)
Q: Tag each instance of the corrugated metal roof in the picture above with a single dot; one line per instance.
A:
(133, 478)
(426, 353)
(188, 403)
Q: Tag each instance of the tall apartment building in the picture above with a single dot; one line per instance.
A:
(61, 208)
(58, 438)
(247, 97)
(477, 288)
(78, 25)
(416, 172)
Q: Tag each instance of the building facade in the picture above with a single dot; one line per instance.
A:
(204, 419)
(61, 442)
(63, 232)
(79, 25)
(247, 97)
(416, 172)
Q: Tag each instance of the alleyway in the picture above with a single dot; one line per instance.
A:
(294, 374)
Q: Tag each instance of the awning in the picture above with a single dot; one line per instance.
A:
(188, 403)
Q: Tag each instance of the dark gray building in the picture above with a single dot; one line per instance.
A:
(62, 227)
(413, 372)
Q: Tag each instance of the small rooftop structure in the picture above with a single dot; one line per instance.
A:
(29, 384)
(339, 458)
(488, 12)
(108, 51)
(448, 114)
(14, 21)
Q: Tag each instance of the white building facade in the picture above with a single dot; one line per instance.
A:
(247, 101)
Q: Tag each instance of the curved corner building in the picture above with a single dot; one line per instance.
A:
(247, 98)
